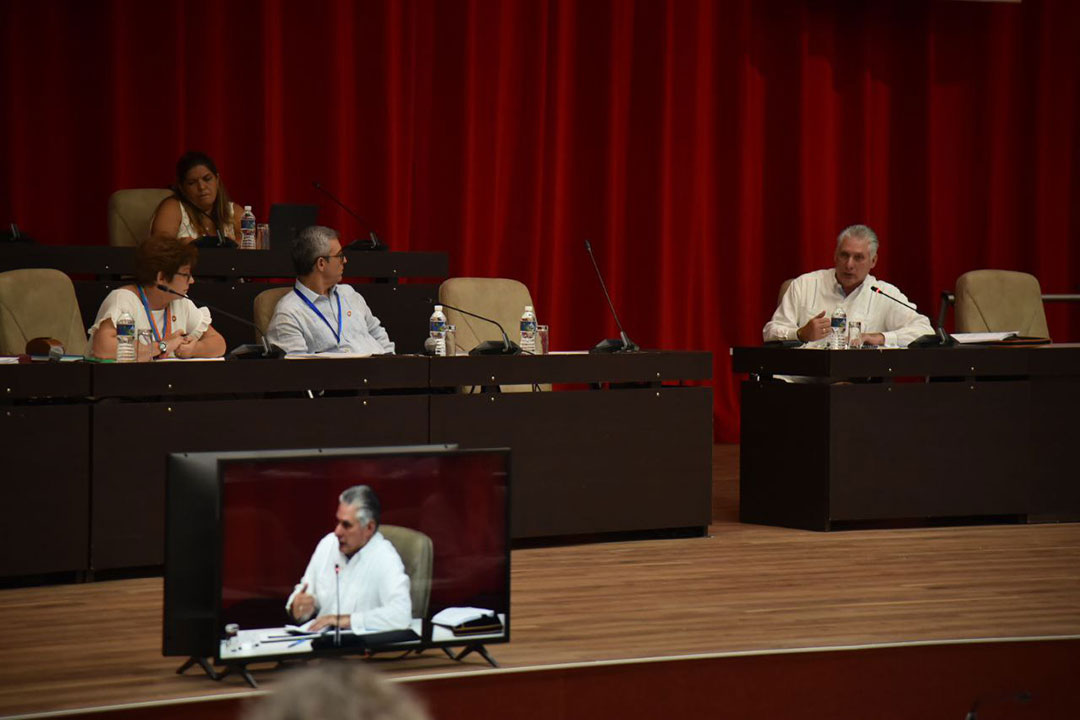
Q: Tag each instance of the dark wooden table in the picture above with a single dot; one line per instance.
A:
(897, 435)
(624, 444)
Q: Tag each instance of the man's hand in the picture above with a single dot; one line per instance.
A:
(303, 605)
(342, 621)
(873, 339)
(815, 329)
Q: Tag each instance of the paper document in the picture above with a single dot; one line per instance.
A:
(330, 355)
(984, 337)
(454, 616)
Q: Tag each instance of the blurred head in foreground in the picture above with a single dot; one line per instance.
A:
(336, 691)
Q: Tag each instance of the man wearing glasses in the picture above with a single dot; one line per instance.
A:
(321, 315)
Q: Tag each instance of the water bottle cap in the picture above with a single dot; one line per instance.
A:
(528, 308)
(247, 208)
(438, 308)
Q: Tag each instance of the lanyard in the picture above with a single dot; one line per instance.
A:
(337, 335)
(149, 316)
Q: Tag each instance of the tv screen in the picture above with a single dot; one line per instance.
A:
(243, 527)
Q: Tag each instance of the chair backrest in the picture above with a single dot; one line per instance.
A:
(497, 298)
(39, 303)
(783, 290)
(417, 554)
(999, 301)
(130, 212)
(265, 302)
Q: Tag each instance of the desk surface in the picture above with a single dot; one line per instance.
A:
(962, 361)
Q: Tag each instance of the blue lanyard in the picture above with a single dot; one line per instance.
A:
(337, 335)
(153, 325)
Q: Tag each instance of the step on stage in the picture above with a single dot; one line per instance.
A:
(750, 621)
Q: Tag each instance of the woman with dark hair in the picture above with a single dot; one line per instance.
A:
(178, 328)
(199, 206)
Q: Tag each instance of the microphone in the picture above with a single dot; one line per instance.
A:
(939, 338)
(247, 351)
(337, 589)
(611, 345)
(373, 243)
(488, 347)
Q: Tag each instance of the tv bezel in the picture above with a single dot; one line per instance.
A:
(178, 640)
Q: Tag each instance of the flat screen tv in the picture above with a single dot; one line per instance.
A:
(242, 526)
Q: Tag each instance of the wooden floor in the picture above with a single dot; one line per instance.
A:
(741, 588)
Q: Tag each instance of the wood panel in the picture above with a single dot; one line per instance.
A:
(592, 461)
(129, 478)
(45, 514)
(742, 588)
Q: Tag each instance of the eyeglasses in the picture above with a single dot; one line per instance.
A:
(189, 276)
(340, 256)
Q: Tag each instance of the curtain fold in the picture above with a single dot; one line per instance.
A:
(709, 150)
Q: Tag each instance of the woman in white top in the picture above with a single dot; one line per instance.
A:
(178, 328)
(200, 204)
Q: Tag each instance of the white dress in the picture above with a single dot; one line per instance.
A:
(184, 315)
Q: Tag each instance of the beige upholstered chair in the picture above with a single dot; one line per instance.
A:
(265, 302)
(999, 301)
(130, 212)
(39, 303)
(417, 554)
(783, 290)
(496, 298)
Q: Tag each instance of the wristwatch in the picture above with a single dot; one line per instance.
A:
(162, 347)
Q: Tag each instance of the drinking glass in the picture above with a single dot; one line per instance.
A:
(854, 333)
(262, 236)
(543, 333)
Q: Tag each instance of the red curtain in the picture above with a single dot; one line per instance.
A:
(709, 150)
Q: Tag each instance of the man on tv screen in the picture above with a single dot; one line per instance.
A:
(356, 563)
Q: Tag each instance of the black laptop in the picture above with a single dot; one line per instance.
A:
(286, 222)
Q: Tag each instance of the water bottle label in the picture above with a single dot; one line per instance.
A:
(839, 322)
(528, 326)
(437, 326)
(125, 330)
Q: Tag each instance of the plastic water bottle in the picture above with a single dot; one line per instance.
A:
(437, 326)
(838, 340)
(125, 338)
(247, 229)
(528, 330)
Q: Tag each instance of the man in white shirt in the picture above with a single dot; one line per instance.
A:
(805, 310)
(370, 576)
(320, 315)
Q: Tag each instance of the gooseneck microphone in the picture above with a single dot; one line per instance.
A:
(246, 351)
(611, 345)
(487, 347)
(939, 338)
(373, 242)
(337, 589)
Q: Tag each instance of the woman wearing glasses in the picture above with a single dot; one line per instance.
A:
(176, 327)
(199, 206)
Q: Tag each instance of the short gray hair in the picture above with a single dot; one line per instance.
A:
(312, 243)
(859, 232)
(337, 691)
(364, 502)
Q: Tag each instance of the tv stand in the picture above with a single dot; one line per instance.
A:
(201, 662)
(478, 648)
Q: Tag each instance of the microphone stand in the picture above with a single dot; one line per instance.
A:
(337, 589)
(375, 242)
(624, 343)
(939, 338)
(487, 347)
(247, 351)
